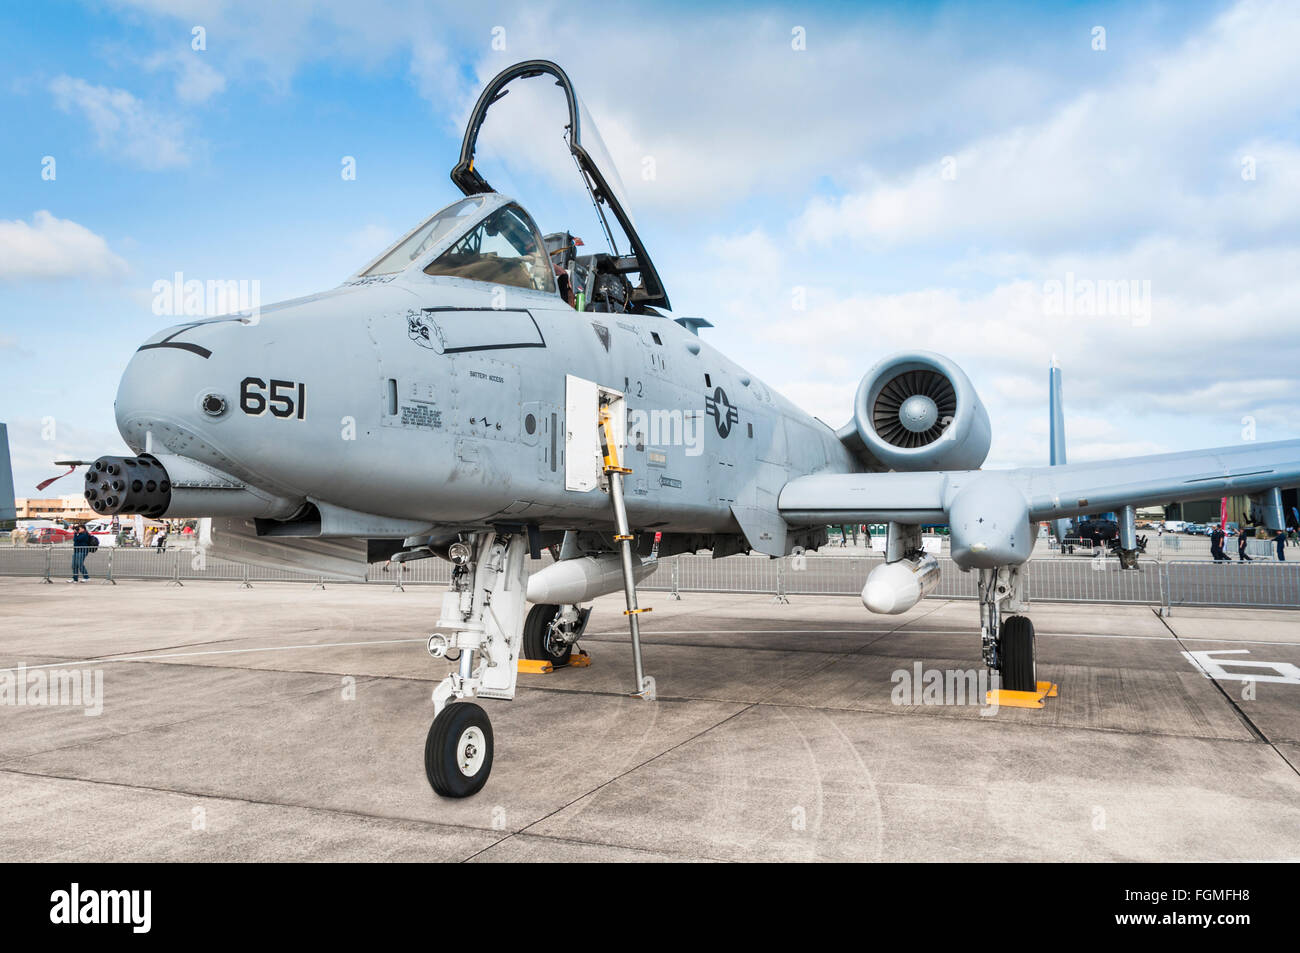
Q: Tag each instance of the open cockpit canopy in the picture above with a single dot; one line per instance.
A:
(596, 168)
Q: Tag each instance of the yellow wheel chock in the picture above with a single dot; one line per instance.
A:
(529, 666)
(1006, 698)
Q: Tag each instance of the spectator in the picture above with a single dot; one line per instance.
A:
(1241, 546)
(1280, 540)
(82, 544)
(1216, 544)
(161, 541)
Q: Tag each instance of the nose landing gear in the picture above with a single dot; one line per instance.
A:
(481, 625)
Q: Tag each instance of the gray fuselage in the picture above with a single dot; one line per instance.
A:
(442, 400)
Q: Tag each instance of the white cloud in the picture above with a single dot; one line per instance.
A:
(732, 110)
(1157, 148)
(270, 42)
(123, 125)
(52, 247)
(1219, 343)
(196, 79)
(735, 109)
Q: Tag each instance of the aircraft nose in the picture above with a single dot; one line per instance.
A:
(168, 396)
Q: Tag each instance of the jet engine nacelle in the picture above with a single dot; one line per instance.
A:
(919, 411)
(571, 581)
(896, 587)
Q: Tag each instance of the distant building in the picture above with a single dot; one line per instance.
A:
(1207, 511)
(70, 507)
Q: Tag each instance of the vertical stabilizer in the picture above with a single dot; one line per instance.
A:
(1056, 434)
(7, 511)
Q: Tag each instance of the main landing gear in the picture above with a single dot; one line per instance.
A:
(1008, 639)
(1008, 643)
(550, 632)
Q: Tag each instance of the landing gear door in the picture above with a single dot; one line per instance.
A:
(582, 460)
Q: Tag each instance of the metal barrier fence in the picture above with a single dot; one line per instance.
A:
(1182, 582)
(1257, 547)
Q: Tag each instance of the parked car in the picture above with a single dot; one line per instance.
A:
(49, 535)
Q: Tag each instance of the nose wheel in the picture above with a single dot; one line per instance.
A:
(458, 751)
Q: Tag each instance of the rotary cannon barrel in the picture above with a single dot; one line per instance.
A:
(128, 485)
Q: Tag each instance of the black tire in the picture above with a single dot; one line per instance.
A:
(538, 643)
(1016, 643)
(451, 741)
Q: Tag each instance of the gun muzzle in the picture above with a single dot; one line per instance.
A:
(173, 486)
(128, 485)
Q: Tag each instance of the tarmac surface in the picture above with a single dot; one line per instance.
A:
(288, 723)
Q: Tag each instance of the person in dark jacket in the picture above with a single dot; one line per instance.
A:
(1241, 546)
(82, 544)
(1216, 544)
(1280, 540)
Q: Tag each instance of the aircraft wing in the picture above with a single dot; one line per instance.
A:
(1073, 489)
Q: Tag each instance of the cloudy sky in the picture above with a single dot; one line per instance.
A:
(825, 183)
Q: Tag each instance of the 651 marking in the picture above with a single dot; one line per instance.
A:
(281, 402)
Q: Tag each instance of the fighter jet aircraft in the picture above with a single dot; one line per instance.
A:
(461, 397)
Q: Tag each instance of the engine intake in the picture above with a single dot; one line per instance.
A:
(919, 411)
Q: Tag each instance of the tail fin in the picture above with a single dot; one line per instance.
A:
(1056, 434)
(7, 511)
